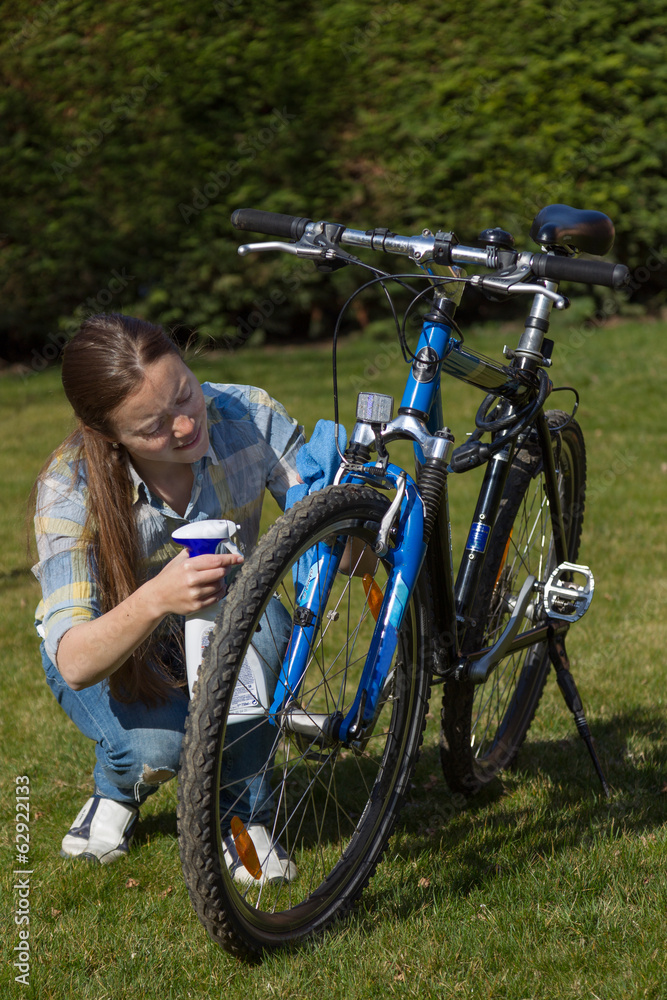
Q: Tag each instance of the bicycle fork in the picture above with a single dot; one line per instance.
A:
(405, 560)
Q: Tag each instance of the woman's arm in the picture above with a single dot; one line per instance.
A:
(93, 650)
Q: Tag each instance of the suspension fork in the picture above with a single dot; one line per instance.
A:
(488, 504)
(551, 486)
(405, 560)
(486, 511)
(310, 604)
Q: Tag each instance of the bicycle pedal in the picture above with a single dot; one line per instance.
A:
(565, 598)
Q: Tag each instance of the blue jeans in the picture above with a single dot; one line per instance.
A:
(138, 747)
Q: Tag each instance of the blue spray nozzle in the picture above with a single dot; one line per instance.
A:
(205, 537)
(199, 546)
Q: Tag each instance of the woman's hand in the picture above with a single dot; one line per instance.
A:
(189, 583)
(93, 650)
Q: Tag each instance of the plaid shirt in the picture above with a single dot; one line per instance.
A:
(253, 445)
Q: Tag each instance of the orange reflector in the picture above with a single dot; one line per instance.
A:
(245, 848)
(373, 594)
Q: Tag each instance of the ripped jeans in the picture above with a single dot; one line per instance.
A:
(138, 747)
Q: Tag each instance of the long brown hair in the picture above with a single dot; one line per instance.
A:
(104, 363)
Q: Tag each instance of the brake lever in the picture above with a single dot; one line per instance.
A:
(560, 301)
(513, 282)
(315, 244)
(297, 249)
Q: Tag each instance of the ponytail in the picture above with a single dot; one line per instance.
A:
(102, 365)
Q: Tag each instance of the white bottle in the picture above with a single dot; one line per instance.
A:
(199, 538)
(250, 699)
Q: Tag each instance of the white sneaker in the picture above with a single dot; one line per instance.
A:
(273, 859)
(101, 832)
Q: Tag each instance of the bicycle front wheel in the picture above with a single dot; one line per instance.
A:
(317, 810)
(484, 725)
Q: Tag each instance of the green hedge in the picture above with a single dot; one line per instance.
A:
(132, 129)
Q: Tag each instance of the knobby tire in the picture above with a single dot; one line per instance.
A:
(334, 806)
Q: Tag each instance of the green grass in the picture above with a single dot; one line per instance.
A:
(537, 889)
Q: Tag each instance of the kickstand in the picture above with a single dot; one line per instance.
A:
(561, 663)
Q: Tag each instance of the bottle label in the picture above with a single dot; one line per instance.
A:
(206, 637)
(245, 698)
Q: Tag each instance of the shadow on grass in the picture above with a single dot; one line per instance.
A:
(161, 824)
(549, 803)
(632, 748)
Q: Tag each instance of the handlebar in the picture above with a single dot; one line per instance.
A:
(588, 272)
(254, 220)
(439, 248)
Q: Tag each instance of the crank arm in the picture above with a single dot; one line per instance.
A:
(478, 671)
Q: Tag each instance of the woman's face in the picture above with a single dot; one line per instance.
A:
(164, 420)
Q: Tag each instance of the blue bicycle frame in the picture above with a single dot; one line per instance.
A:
(437, 350)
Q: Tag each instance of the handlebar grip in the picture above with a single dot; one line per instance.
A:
(272, 223)
(588, 272)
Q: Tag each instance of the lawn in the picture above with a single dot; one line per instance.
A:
(539, 888)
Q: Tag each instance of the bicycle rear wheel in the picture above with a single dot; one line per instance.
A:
(330, 806)
(484, 725)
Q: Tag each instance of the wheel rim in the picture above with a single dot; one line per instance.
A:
(500, 705)
(330, 802)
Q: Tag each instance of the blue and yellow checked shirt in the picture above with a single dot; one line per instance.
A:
(253, 446)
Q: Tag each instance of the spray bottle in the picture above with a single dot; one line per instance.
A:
(250, 698)
(201, 538)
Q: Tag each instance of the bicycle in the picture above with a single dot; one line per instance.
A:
(363, 571)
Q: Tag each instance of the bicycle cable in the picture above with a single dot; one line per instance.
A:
(451, 321)
(379, 279)
(408, 356)
(567, 388)
(515, 423)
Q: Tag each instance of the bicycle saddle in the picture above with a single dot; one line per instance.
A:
(565, 227)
